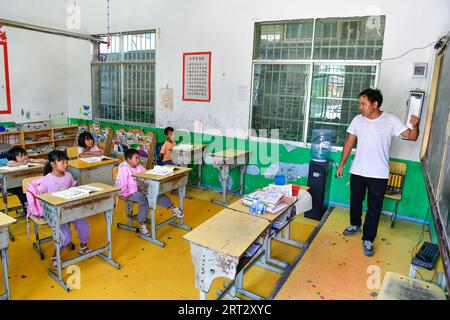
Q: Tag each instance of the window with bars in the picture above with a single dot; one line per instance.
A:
(296, 90)
(123, 78)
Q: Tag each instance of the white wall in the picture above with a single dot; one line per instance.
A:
(37, 63)
(226, 29)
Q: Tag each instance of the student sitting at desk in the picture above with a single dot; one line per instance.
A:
(165, 154)
(18, 157)
(87, 147)
(56, 178)
(128, 186)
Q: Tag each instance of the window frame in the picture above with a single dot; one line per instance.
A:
(311, 62)
(122, 62)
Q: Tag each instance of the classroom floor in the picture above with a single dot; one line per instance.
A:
(147, 271)
(151, 272)
(334, 267)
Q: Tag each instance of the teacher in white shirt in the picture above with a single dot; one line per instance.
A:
(374, 130)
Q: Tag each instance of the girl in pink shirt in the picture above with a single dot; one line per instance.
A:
(129, 190)
(87, 147)
(56, 178)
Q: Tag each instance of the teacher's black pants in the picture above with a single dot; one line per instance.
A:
(375, 189)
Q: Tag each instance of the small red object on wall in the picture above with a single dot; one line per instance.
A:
(4, 83)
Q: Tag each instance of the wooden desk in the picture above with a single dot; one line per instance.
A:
(226, 160)
(58, 211)
(5, 221)
(398, 287)
(278, 222)
(86, 173)
(183, 158)
(153, 186)
(13, 179)
(218, 248)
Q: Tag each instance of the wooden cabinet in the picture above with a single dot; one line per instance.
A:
(39, 143)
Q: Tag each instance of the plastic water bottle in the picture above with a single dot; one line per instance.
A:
(254, 207)
(321, 144)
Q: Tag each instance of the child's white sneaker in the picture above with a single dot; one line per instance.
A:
(144, 231)
(177, 212)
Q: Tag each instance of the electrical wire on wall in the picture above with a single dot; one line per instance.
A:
(404, 54)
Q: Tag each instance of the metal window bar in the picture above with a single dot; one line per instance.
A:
(125, 89)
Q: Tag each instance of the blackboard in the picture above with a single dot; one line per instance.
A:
(437, 156)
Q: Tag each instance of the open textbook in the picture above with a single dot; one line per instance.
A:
(161, 170)
(94, 159)
(76, 192)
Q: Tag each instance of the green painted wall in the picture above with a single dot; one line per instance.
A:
(414, 205)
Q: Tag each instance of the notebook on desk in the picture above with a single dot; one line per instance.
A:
(76, 192)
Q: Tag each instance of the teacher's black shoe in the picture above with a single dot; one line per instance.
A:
(351, 230)
(368, 248)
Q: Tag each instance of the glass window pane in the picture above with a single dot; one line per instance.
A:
(139, 46)
(139, 92)
(284, 40)
(279, 99)
(334, 97)
(358, 38)
(113, 52)
(138, 78)
(106, 91)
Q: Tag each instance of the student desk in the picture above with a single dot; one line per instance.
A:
(226, 160)
(13, 178)
(183, 157)
(58, 211)
(219, 246)
(398, 287)
(154, 185)
(86, 173)
(278, 222)
(5, 221)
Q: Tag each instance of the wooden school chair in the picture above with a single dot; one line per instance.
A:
(38, 222)
(397, 174)
(128, 209)
(72, 152)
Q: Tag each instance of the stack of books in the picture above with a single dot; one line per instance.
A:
(273, 201)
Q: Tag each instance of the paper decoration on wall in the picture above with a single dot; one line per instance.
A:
(5, 96)
(85, 110)
(167, 98)
(197, 76)
(292, 171)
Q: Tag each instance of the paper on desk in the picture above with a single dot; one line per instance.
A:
(94, 159)
(183, 147)
(284, 189)
(279, 207)
(161, 170)
(76, 192)
(8, 168)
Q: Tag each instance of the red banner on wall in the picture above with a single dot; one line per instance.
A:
(5, 98)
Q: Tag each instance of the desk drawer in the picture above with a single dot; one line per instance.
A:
(86, 208)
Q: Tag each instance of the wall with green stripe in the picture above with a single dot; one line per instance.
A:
(414, 205)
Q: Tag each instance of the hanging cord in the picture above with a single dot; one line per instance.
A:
(108, 41)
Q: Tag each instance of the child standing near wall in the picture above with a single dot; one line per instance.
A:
(56, 178)
(165, 154)
(87, 147)
(128, 186)
(18, 157)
